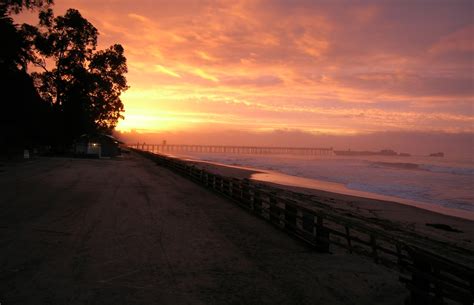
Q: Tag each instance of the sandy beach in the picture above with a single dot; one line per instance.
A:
(438, 229)
(237, 152)
(125, 231)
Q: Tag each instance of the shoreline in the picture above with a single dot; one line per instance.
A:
(331, 188)
(418, 245)
(432, 223)
(336, 188)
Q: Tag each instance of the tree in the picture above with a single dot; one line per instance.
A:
(77, 91)
(15, 51)
(22, 108)
(16, 6)
(84, 85)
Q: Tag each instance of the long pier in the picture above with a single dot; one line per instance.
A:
(224, 149)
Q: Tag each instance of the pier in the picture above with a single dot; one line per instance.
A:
(224, 149)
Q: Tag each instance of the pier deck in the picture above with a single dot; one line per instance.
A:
(226, 149)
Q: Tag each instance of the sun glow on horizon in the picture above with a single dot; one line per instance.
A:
(318, 67)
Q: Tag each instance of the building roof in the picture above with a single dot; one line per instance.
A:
(98, 137)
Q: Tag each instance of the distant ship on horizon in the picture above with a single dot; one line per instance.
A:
(383, 152)
(438, 154)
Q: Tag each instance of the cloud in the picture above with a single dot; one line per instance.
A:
(410, 84)
(167, 71)
(259, 81)
(139, 18)
(347, 66)
(460, 40)
(205, 75)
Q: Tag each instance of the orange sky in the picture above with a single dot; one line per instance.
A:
(320, 67)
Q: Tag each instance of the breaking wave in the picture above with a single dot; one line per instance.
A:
(465, 171)
(427, 167)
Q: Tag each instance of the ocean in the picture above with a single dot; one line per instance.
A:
(440, 182)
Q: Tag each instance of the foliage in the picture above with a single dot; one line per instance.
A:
(16, 6)
(24, 113)
(75, 89)
(14, 51)
(84, 85)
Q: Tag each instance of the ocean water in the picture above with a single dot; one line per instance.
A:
(443, 182)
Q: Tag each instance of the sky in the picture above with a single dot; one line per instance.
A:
(281, 67)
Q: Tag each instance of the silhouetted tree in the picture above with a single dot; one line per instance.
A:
(16, 6)
(84, 85)
(16, 50)
(23, 112)
(78, 93)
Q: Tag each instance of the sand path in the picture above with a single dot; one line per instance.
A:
(76, 231)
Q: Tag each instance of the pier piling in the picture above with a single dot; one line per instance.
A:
(260, 150)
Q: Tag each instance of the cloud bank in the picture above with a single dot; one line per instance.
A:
(333, 67)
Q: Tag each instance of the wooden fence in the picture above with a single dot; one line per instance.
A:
(430, 278)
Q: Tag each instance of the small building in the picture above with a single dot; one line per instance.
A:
(97, 146)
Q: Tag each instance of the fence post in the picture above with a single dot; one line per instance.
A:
(308, 223)
(348, 236)
(257, 202)
(322, 235)
(221, 185)
(420, 292)
(373, 243)
(290, 217)
(236, 189)
(273, 210)
(252, 198)
(246, 196)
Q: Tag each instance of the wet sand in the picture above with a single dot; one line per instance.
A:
(395, 216)
(77, 231)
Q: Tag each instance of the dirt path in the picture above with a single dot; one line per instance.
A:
(76, 231)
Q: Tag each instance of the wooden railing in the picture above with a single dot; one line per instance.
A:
(430, 278)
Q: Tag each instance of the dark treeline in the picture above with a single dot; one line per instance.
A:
(54, 83)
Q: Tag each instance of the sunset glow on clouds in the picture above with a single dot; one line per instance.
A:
(331, 67)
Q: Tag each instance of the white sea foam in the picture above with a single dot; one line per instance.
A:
(448, 169)
(436, 181)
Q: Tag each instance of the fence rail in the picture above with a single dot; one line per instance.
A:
(430, 278)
